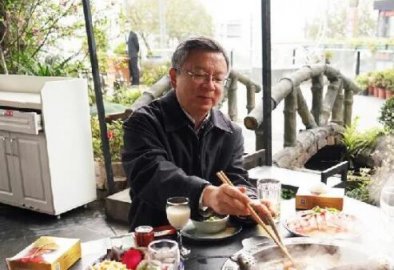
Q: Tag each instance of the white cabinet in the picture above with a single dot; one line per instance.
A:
(46, 157)
(26, 179)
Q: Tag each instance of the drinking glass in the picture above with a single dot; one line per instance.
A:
(270, 189)
(165, 254)
(178, 214)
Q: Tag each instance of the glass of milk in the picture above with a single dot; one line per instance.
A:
(178, 214)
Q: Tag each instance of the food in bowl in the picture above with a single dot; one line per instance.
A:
(211, 224)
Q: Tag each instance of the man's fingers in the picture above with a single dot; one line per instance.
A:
(236, 193)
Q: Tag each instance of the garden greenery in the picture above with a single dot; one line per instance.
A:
(115, 138)
(356, 142)
(387, 115)
(126, 95)
(152, 72)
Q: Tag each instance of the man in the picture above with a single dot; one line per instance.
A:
(177, 144)
(133, 48)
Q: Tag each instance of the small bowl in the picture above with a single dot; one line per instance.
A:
(213, 224)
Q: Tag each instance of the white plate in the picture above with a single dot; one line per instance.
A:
(337, 225)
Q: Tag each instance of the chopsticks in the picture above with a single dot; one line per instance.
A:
(277, 239)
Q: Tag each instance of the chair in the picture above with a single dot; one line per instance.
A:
(341, 168)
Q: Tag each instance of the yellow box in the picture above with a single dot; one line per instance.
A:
(332, 198)
(47, 253)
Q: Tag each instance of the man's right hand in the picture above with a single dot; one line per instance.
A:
(230, 200)
(226, 200)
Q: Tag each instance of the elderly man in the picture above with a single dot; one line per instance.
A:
(176, 145)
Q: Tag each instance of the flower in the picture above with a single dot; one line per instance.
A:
(110, 135)
(114, 135)
(132, 257)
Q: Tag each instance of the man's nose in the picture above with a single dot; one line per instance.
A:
(209, 81)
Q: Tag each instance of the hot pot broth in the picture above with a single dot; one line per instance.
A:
(308, 257)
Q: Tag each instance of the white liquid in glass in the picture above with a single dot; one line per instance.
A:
(178, 216)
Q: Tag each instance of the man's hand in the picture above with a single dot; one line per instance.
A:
(231, 200)
(263, 208)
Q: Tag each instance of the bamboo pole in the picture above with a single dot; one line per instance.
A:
(348, 107)
(158, 89)
(317, 97)
(329, 100)
(250, 97)
(303, 111)
(232, 99)
(337, 109)
(290, 131)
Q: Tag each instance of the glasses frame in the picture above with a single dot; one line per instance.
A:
(205, 78)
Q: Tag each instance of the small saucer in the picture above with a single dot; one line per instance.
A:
(190, 232)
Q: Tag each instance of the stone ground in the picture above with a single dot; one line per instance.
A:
(20, 227)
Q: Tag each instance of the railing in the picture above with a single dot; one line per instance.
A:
(337, 103)
(231, 92)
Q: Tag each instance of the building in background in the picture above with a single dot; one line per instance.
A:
(386, 18)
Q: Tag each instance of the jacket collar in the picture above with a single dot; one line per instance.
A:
(175, 118)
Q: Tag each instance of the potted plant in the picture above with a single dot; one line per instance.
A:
(371, 83)
(118, 64)
(115, 138)
(379, 85)
(362, 81)
(389, 77)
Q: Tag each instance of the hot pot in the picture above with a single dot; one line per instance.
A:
(309, 253)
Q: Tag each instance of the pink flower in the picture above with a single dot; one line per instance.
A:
(110, 134)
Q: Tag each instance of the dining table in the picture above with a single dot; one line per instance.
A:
(213, 253)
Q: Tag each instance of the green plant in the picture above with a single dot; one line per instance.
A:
(115, 138)
(287, 193)
(358, 185)
(125, 95)
(152, 72)
(362, 81)
(387, 115)
(356, 142)
(121, 49)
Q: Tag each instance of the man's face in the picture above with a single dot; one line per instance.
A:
(200, 81)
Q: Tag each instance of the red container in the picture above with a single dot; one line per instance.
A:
(144, 235)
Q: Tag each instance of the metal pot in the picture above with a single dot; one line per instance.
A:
(309, 253)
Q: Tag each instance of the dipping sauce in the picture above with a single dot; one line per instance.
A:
(144, 235)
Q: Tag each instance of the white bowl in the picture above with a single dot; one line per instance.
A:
(210, 225)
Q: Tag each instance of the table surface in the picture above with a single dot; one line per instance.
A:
(213, 254)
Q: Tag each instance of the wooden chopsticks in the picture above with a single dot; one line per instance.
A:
(277, 239)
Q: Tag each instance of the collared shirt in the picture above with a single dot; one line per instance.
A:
(164, 157)
(204, 121)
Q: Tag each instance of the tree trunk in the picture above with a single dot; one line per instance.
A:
(2, 61)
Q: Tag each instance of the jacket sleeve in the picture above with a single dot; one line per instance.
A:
(235, 171)
(152, 176)
(238, 175)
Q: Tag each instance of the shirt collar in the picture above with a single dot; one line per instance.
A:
(204, 121)
(175, 117)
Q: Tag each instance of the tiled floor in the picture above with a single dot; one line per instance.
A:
(19, 227)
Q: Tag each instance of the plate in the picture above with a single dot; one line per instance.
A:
(190, 232)
(323, 223)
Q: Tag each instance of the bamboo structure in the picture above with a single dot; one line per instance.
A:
(334, 108)
(337, 102)
(231, 89)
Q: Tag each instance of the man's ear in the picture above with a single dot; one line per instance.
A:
(172, 74)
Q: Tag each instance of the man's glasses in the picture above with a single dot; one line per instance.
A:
(205, 77)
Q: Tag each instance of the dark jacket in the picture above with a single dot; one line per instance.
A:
(133, 46)
(164, 157)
